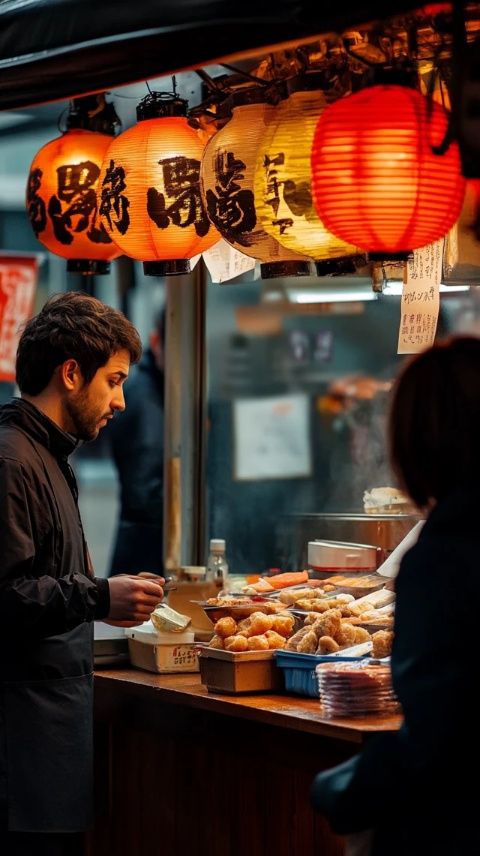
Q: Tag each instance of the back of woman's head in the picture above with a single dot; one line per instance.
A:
(434, 421)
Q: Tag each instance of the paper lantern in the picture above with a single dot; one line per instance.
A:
(62, 202)
(283, 187)
(376, 181)
(227, 180)
(149, 191)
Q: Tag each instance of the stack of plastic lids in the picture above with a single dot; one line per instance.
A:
(356, 689)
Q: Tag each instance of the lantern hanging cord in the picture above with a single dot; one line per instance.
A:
(459, 47)
(245, 74)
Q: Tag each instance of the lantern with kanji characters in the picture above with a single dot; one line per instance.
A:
(227, 179)
(149, 189)
(283, 186)
(377, 180)
(61, 191)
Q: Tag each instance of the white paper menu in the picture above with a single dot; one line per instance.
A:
(421, 299)
(225, 262)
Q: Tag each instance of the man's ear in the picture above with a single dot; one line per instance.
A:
(70, 375)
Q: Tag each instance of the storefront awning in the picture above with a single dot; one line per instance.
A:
(55, 49)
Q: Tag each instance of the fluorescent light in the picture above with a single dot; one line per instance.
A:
(8, 119)
(394, 288)
(320, 295)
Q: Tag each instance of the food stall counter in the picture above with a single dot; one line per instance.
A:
(186, 771)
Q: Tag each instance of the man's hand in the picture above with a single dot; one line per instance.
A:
(133, 599)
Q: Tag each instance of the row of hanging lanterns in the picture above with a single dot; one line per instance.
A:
(283, 184)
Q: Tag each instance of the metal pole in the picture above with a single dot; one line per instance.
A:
(185, 420)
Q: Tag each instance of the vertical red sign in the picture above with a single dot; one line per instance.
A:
(18, 280)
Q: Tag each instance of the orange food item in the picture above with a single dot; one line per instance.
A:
(289, 578)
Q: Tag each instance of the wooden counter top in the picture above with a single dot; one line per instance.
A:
(285, 711)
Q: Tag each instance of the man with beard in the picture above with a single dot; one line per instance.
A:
(72, 361)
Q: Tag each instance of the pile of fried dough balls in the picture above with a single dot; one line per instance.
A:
(329, 632)
(258, 632)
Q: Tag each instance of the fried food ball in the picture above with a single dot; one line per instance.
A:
(275, 640)
(316, 605)
(287, 598)
(257, 643)
(328, 624)
(293, 642)
(311, 618)
(260, 623)
(243, 627)
(382, 643)
(346, 610)
(272, 607)
(346, 635)
(327, 645)
(361, 635)
(216, 642)
(236, 643)
(328, 587)
(308, 645)
(342, 598)
(226, 626)
(283, 624)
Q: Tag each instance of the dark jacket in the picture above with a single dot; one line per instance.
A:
(413, 787)
(48, 599)
(136, 438)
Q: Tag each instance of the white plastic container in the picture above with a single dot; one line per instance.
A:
(161, 652)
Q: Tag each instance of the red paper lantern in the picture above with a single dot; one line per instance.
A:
(62, 203)
(149, 189)
(376, 180)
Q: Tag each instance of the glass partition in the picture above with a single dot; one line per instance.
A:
(297, 404)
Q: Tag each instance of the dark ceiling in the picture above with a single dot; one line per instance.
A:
(55, 49)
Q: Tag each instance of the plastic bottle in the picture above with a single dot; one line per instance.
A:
(217, 566)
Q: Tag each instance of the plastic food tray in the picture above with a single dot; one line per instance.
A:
(299, 670)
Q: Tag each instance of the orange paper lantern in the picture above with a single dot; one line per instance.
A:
(149, 190)
(62, 203)
(376, 180)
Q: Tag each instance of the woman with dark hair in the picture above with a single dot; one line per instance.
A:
(412, 788)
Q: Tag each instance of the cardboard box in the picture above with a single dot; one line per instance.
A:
(162, 652)
(239, 672)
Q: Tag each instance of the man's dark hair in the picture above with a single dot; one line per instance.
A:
(435, 420)
(72, 325)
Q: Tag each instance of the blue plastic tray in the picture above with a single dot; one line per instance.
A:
(299, 670)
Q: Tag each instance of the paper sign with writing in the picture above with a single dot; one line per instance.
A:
(421, 299)
(18, 280)
(272, 437)
(224, 262)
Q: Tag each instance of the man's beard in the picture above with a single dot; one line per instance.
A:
(83, 420)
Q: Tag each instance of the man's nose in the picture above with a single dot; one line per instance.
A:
(118, 402)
